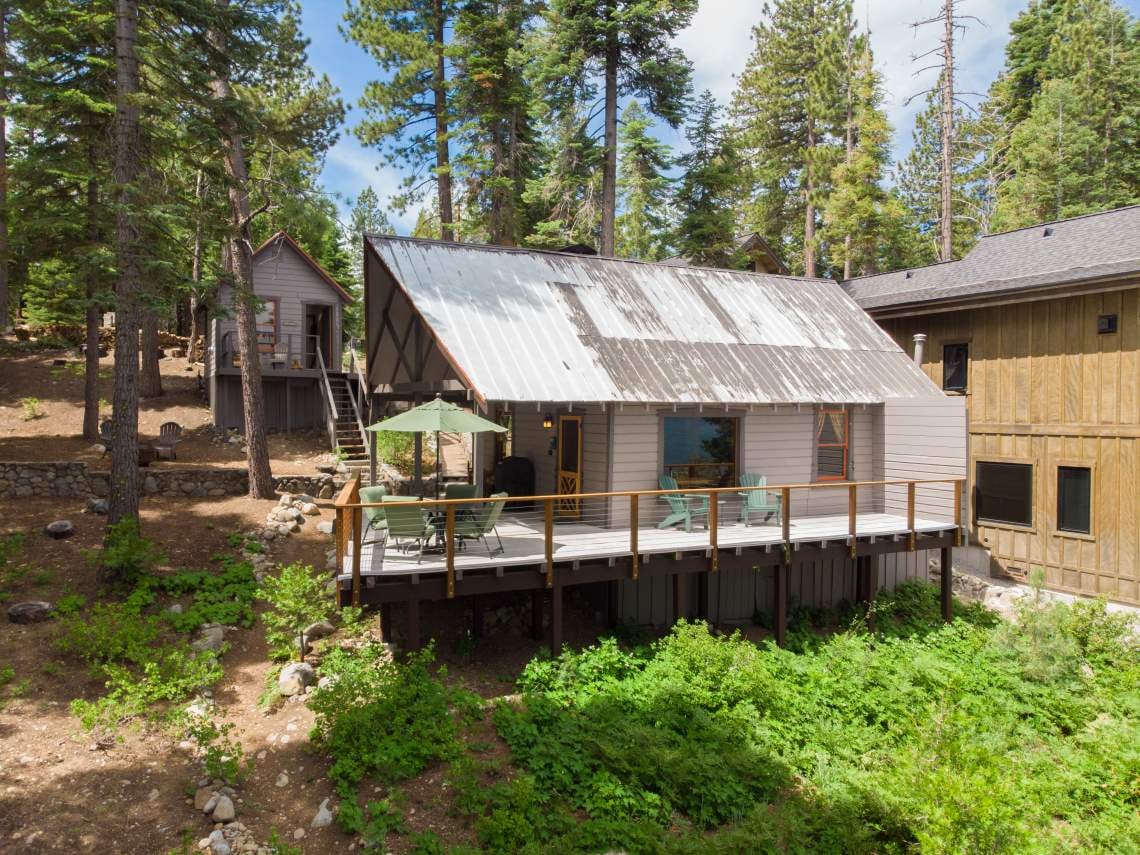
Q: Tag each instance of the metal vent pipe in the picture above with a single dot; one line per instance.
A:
(919, 347)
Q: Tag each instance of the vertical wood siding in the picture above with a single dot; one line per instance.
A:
(1046, 389)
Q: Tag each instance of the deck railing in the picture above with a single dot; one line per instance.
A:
(290, 352)
(600, 515)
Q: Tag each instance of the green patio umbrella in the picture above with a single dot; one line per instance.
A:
(438, 416)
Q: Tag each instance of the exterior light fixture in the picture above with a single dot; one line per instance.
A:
(548, 421)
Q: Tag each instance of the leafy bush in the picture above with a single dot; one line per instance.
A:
(69, 604)
(126, 555)
(107, 633)
(222, 756)
(223, 597)
(32, 409)
(297, 598)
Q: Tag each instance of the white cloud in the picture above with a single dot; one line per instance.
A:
(350, 165)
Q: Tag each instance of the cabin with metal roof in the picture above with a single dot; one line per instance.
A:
(306, 378)
(1037, 331)
(612, 373)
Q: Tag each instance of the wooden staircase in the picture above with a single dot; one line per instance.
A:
(348, 437)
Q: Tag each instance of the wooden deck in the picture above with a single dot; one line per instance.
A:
(524, 544)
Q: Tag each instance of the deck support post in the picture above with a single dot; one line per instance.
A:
(703, 599)
(536, 608)
(679, 580)
(477, 616)
(386, 622)
(413, 639)
(781, 603)
(556, 618)
(947, 586)
(613, 606)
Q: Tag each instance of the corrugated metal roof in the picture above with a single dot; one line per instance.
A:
(545, 326)
(1078, 249)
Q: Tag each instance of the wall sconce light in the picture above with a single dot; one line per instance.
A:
(548, 421)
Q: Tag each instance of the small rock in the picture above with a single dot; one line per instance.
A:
(320, 629)
(212, 639)
(223, 810)
(218, 843)
(295, 677)
(202, 796)
(298, 834)
(282, 780)
(59, 529)
(175, 609)
(286, 500)
(32, 611)
(326, 527)
(324, 816)
(261, 754)
(152, 796)
(97, 506)
(211, 803)
(310, 510)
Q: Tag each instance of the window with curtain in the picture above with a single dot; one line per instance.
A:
(700, 452)
(832, 444)
(1074, 499)
(955, 367)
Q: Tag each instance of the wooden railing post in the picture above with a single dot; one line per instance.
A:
(786, 520)
(852, 513)
(449, 545)
(713, 514)
(634, 568)
(357, 547)
(549, 514)
(958, 487)
(910, 538)
(345, 519)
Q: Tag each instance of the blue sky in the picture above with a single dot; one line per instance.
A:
(718, 42)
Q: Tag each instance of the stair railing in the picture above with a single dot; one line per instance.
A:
(331, 414)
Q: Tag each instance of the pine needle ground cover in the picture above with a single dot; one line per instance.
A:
(979, 736)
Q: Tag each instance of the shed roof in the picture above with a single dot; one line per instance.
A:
(282, 238)
(1076, 250)
(524, 325)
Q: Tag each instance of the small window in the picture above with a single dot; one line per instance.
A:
(1003, 493)
(1106, 324)
(700, 452)
(832, 441)
(1074, 496)
(955, 365)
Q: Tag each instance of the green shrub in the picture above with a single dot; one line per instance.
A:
(297, 598)
(223, 597)
(109, 632)
(221, 756)
(69, 604)
(32, 408)
(126, 555)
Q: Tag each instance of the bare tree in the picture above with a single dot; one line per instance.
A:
(239, 266)
(124, 498)
(3, 167)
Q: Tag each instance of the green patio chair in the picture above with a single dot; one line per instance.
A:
(409, 528)
(482, 522)
(682, 508)
(374, 519)
(757, 501)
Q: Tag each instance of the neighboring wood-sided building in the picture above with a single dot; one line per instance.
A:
(1038, 331)
(611, 373)
(300, 347)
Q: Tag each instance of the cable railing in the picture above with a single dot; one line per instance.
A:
(289, 352)
(460, 534)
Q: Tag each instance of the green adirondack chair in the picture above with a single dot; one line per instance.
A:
(374, 519)
(479, 523)
(757, 501)
(409, 528)
(682, 508)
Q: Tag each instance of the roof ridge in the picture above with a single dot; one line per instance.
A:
(490, 247)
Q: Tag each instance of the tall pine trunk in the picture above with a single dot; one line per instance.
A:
(150, 378)
(809, 201)
(442, 153)
(195, 273)
(850, 143)
(124, 497)
(609, 167)
(239, 243)
(3, 168)
(946, 218)
(91, 354)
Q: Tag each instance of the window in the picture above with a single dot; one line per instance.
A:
(955, 364)
(1074, 493)
(832, 437)
(700, 452)
(1003, 493)
(267, 326)
(1106, 324)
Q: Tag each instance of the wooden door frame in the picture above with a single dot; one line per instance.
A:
(329, 309)
(568, 508)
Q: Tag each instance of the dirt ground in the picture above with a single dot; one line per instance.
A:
(57, 434)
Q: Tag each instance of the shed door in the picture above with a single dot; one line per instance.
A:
(569, 464)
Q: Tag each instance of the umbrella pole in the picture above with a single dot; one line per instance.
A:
(438, 464)
(418, 467)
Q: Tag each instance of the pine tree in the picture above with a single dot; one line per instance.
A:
(408, 111)
(860, 215)
(706, 228)
(628, 44)
(789, 110)
(643, 188)
(493, 57)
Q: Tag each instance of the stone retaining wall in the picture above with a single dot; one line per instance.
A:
(68, 479)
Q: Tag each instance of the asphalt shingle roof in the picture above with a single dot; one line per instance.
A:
(1074, 250)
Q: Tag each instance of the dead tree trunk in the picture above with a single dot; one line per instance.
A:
(240, 265)
(3, 168)
(946, 219)
(609, 165)
(150, 378)
(809, 203)
(124, 497)
(91, 354)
